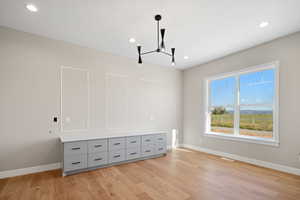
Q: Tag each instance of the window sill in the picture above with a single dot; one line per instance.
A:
(249, 139)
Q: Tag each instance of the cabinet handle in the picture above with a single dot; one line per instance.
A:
(160, 149)
(96, 146)
(75, 163)
(117, 143)
(117, 156)
(97, 159)
(133, 153)
(160, 138)
(148, 140)
(75, 148)
(148, 151)
(133, 142)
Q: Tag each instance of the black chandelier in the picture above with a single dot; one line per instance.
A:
(160, 46)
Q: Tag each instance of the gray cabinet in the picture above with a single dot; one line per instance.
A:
(116, 156)
(160, 148)
(148, 140)
(133, 141)
(95, 146)
(75, 162)
(116, 143)
(97, 159)
(75, 148)
(133, 153)
(86, 154)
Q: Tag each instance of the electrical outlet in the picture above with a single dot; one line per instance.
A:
(299, 156)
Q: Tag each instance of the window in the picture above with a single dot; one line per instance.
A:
(243, 105)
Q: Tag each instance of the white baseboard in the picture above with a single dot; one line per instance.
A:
(260, 163)
(29, 170)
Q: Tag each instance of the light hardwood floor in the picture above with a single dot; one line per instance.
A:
(182, 174)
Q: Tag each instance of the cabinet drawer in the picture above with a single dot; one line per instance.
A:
(133, 142)
(117, 156)
(161, 138)
(75, 148)
(148, 150)
(116, 144)
(75, 162)
(160, 149)
(96, 159)
(147, 140)
(133, 153)
(97, 146)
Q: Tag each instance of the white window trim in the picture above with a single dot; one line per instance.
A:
(275, 140)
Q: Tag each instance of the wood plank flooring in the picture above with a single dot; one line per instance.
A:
(182, 174)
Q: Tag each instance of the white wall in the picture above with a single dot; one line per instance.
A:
(124, 96)
(285, 50)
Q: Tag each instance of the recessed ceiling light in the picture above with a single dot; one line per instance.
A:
(186, 57)
(132, 40)
(264, 24)
(31, 8)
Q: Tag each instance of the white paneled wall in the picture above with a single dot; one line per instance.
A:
(74, 99)
(117, 102)
(133, 103)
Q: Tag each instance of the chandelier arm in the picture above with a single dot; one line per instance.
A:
(162, 33)
(158, 35)
(148, 52)
(166, 53)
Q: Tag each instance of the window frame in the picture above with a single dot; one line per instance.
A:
(236, 137)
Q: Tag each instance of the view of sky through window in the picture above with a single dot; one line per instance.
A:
(255, 88)
(256, 95)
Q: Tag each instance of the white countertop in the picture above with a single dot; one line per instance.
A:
(73, 137)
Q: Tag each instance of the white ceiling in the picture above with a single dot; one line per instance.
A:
(201, 29)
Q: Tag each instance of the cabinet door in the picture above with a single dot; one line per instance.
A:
(75, 162)
(148, 150)
(160, 149)
(97, 159)
(75, 148)
(161, 138)
(133, 142)
(97, 146)
(148, 140)
(117, 156)
(116, 143)
(133, 153)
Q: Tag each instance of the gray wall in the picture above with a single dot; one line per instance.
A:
(287, 51)
(30, 96)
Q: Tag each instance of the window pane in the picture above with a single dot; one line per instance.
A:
(222, 120)
(256, 99)
(257, 88)
(256, 121)
(222, 92)
(222, 103)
